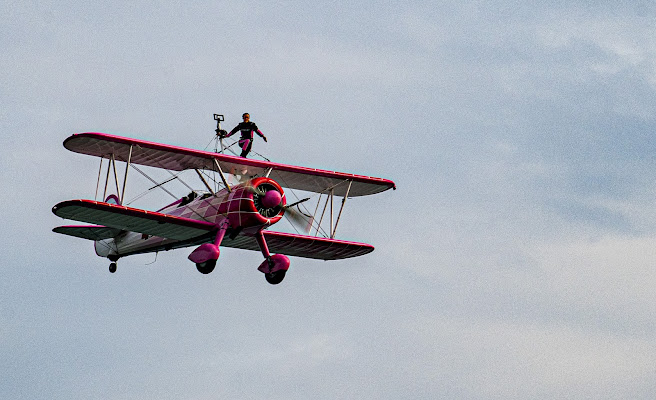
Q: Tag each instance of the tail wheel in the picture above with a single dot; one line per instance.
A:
(206, 267)
(275, 278)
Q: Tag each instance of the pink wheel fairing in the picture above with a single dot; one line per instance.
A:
(280, 263)
(205, 252)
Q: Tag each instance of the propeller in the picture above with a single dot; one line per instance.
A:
(299, 219)
(255, 190)
(271, 199)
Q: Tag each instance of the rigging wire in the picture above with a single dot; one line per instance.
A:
(208, 145)
(176, 176)
(156, 185)
(160, 185)
(229, 147)
(312, 222)
(310, 218)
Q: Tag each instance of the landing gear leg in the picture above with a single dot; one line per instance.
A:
(206, 254)
(274, 266)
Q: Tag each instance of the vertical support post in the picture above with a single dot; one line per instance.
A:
(125, 178)
(95, 197)
(332, 193)
(116, 177)
(348, 189)
(322, 213)
(314, 215)
(223, 178)
(109, 164)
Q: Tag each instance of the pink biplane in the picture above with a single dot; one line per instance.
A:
(236, 215)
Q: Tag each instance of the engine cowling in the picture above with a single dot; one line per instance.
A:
(258, 202)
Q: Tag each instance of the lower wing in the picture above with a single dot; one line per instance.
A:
(302, 245)
(132, 219)
(115, 218)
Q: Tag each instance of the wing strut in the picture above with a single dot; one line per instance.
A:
(125, 178)
(204, 181)
(223, 178)
(111, 164)
(340, 209)
(322, 213)
(115, 176)
(111, 167)
(332, 196)
(95, 197)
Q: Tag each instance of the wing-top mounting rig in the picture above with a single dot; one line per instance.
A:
(237, 212)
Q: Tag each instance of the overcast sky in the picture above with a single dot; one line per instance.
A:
(515, 260)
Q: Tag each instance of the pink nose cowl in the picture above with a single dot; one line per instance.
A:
(271, 199)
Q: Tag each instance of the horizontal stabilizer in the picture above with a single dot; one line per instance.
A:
(91, 232)
(302, 245)
(132, 219)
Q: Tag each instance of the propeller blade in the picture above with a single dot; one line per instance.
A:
(252, 188)
(298, 219)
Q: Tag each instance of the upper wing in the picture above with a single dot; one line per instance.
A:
(302, 246)
(180, 158)
(131, 219)
(91, 232)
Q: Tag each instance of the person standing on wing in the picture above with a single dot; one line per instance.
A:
(247, 128)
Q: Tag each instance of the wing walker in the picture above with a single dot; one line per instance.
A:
(237, 209)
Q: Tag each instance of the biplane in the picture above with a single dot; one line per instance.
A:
(237, 215)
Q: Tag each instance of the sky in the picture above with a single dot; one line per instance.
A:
(515, 260)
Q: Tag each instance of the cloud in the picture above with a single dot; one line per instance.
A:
(490, 360)
(514, 260)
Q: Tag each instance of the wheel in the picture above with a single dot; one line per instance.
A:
(112, 267)
(206, 267)
(275, 278)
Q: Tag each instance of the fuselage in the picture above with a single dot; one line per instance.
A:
(246, 207)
